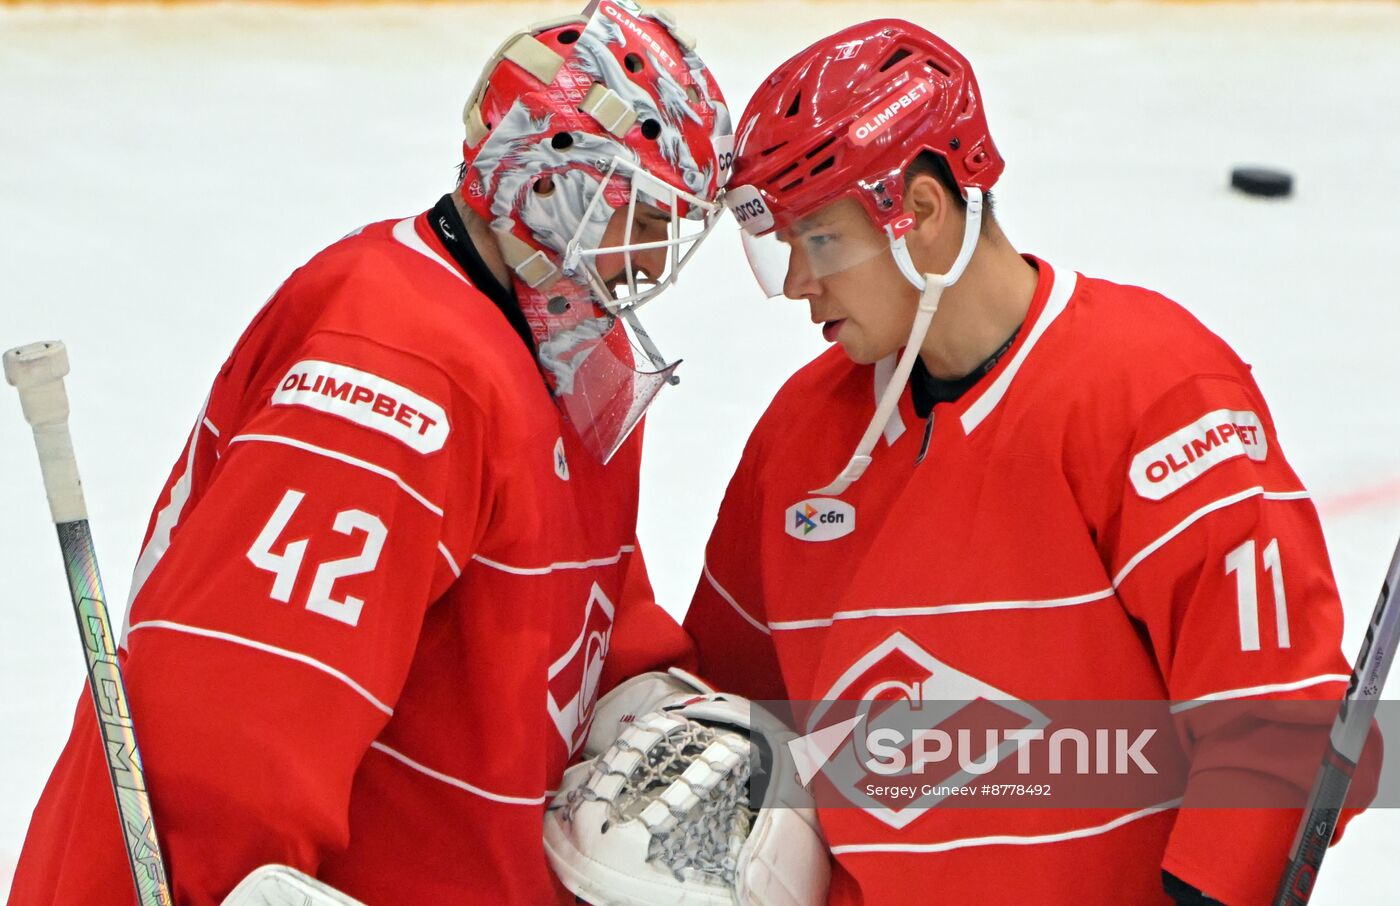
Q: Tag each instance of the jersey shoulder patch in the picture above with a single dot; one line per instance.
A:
(1181, 457)
(366, 399)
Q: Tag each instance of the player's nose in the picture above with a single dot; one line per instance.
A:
(799, 282)
(650, 263)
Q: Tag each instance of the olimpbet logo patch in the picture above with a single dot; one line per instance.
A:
(365, 399)
(1188, 453)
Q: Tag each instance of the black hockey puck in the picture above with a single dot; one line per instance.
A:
(1262, 181)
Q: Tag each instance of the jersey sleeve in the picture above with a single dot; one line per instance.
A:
(312, 522)
(1216, 548)
(726, 617)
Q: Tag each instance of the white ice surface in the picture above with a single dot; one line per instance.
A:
(162, 169)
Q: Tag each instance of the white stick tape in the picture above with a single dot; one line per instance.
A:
(37, 371)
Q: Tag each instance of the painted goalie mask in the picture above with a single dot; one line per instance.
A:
(596, 150)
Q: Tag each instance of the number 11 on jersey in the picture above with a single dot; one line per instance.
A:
(1241, 562)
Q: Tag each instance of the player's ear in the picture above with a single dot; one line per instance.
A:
(927, 199)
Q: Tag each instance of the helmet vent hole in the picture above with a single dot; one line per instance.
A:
(544, 186)
(938, 67)
(633, 63)
(568, 36)
(820, 148)
(793, 107)
(561, 141)
(830, 161)
(557, 305)
(650, 129)
(785, 171)
(895, 58)
(792, 185)
(768, 151)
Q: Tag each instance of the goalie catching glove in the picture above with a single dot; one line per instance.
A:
(695, 802)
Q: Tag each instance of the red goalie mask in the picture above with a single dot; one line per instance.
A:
(573, 122)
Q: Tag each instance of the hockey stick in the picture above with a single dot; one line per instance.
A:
(37, 371)
(1348, 736)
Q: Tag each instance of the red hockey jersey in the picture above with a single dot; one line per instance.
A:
(1105, 515)
(376, 602)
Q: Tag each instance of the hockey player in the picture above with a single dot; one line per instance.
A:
(396, 562)
(1061, 488)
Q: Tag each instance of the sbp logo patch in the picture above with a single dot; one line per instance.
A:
(561, 462)
(820, 519)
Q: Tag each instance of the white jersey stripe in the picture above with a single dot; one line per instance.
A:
(1260, 690)
(340, 457)
(1005, 839)
(407, 235)
(719, 589)
(267, 649)
(166, 520)
(453, 781)
(451, 563)
(1195, 517)
(545, 570)
(937, 609)
(1061, 289)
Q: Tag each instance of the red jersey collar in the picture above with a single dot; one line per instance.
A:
(1052, 294)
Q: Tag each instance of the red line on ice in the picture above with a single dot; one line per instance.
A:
(1375, 495)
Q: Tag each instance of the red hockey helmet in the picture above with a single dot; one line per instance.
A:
(846, 117)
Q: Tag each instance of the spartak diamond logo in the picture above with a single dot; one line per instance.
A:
(573, 678)
(879, 692)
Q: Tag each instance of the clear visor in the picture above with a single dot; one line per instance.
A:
(836, 238)
(597, 383)
(647, 242)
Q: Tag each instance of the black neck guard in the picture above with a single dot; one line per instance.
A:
(927, 391)
(450, 229)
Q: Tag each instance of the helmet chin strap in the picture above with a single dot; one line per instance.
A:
(930, 287)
